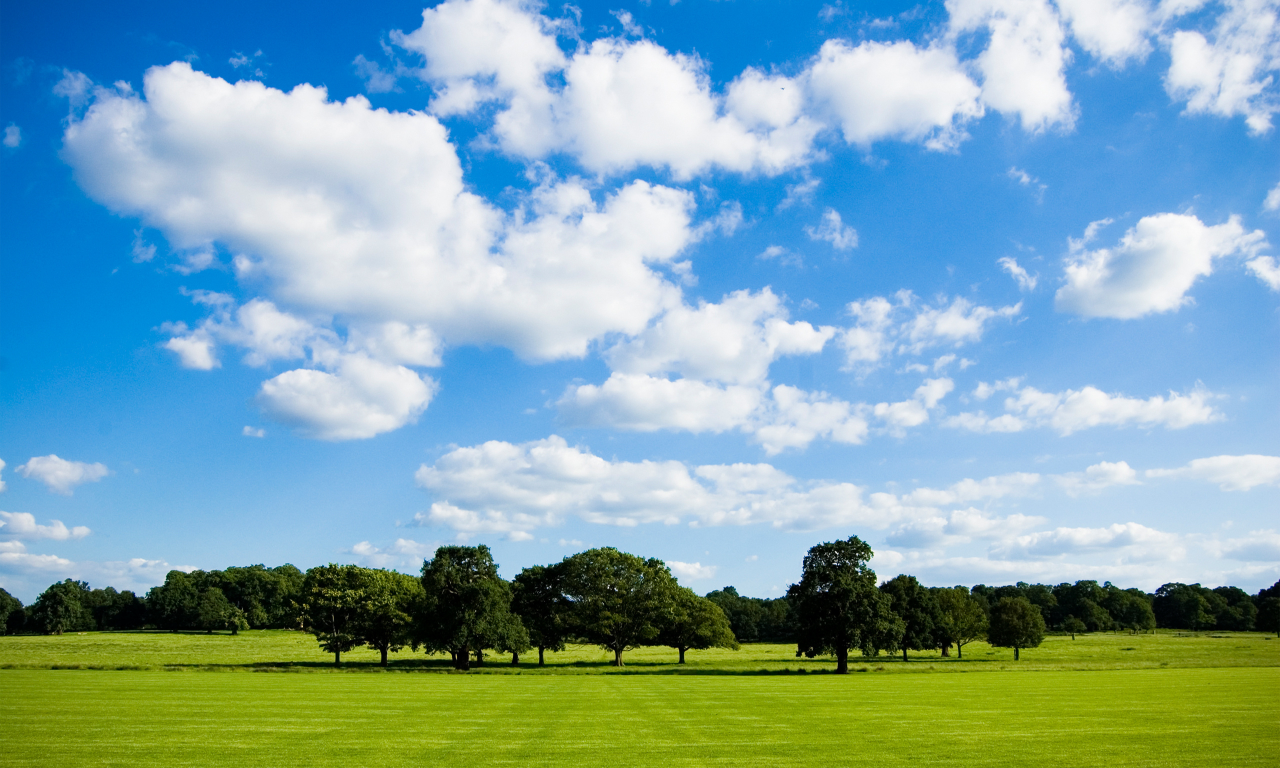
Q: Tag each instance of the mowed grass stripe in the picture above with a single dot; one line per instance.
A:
(1122, 717)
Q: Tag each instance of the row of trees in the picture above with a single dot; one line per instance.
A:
(461, 606)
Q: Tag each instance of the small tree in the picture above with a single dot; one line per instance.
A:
(388, 603)
(538, 599)
(216, 612)
(333, 600)
(1016, 624)
(619, 601)
(918, 610)
(697, 623)
(1074, 626)
(961, 619)
(837, 604)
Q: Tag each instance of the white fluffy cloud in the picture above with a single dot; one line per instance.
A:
(834, 231)
(2, 483)
(1258, 546)
(1102, 475)
(22, 525)
(1073, 410)
(1114, 31)
(1131, 541)
(14, 558)
(907, 326)
(1233, 71)
(1152, 268)
(60, 475)
(1230, 473)
(1024, 64)
(400, 552)
(1026, 281)
(692, 571)
(959, 527)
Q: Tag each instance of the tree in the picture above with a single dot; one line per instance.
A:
(1074, 626)
(466, 606)
(755, 619)
(60, 608)
(1131, 609)
(1016, 624)
(1184, 606)
(619, 601)
(216, 612)
(174, 604)
(1269, 615)
(837, 604)
(387, 606)
(333, 597)
(1237, 611)
(961, 619)
(918, 610)
(538, 599)
(9, 606)
(696, 623)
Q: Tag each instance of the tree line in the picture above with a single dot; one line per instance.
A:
(459, 605)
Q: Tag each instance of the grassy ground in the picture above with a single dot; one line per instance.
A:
(1129, 717)
(299, 652)
(1169, 699)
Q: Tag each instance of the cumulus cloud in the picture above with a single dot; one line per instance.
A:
(1272, 200)
(1132, 541)
(906, 325)
(1152, 268)
(1230, 473)
(834, 231)
(1258, 546)
(1231, 72)
(22, 525)
(2, 483)
(399, 552)
(1114, 31)
(60, 475)
(12, 136)
(1073, 410)
(501, 488)
(1102, 475)
(1023, 66)
(959, 527)
(14, 558)
(692, 571)
(1265, 269)
(1026, 282)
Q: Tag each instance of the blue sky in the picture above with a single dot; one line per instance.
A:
(991, 284)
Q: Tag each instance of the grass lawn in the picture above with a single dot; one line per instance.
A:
(1149, 700)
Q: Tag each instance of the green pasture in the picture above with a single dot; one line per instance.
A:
(297, 651)
(1129, 717)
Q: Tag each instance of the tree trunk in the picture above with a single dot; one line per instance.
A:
(542, 660)
(479, 656)
(515, 659)
(842, 661)
(1015, 653)
(235, 630)
(617, 657)
(464, 660)
(959, 650)
(904, 653)
(337, 658)
(681, 655)
(946, 650)
(384, 655)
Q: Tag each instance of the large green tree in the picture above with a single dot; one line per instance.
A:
(696, 624)
(755, 619)
(388, 603)
(917, 608)
(961, 619)
(619, 601)
(174, 604)
(467, 605)
(60, 608)
(1130, 609)
(1016, 624)
(1185, 606)
(9, 606)
(216, 612)
(538, 599)
(837, 604)
(333, 599)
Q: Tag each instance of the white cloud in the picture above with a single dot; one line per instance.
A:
(1265, 269)
(1231, 73)
(1114, 31)
(195, 350)
(1258, 546)
(793, 418)
(22, 525)
(1073, 410)
(401, 552)
(253, 431)
(2, 483)
(1272, 201)
(878, 91)
(1152, 268)
(1132, 541)
(1026, 282)
(648, 403)
(692, 571)
(12, 136)
(1231, 473)
(959, 527)
(1097, 477)
(833, 231)
(61, 475)
(14, 557)
(906, 326)
(506, 489)
(1023, 65)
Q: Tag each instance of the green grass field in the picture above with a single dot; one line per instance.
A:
(1150, 700)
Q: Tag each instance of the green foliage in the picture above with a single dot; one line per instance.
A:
(333, 602)
(1015, 623)
(387, 609)
(9, 606)
(175, 604)
(754, 619)
(917, 608)
(961, 619)
(696, 623)
(838, 606)
(1184, 606)
(1074, 626)
(60, 608)
(538, 599)
(1130, 609)
(467, 606)
(619, 601)
(214, 611)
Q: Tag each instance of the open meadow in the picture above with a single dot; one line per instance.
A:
(150, 699)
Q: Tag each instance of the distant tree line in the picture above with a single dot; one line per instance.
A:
(459, 605)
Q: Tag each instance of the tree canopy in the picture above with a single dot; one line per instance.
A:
(1016, 624)
(917, 608)
(961, 619)
(696, 623)
(619, 601)
(466, 605)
